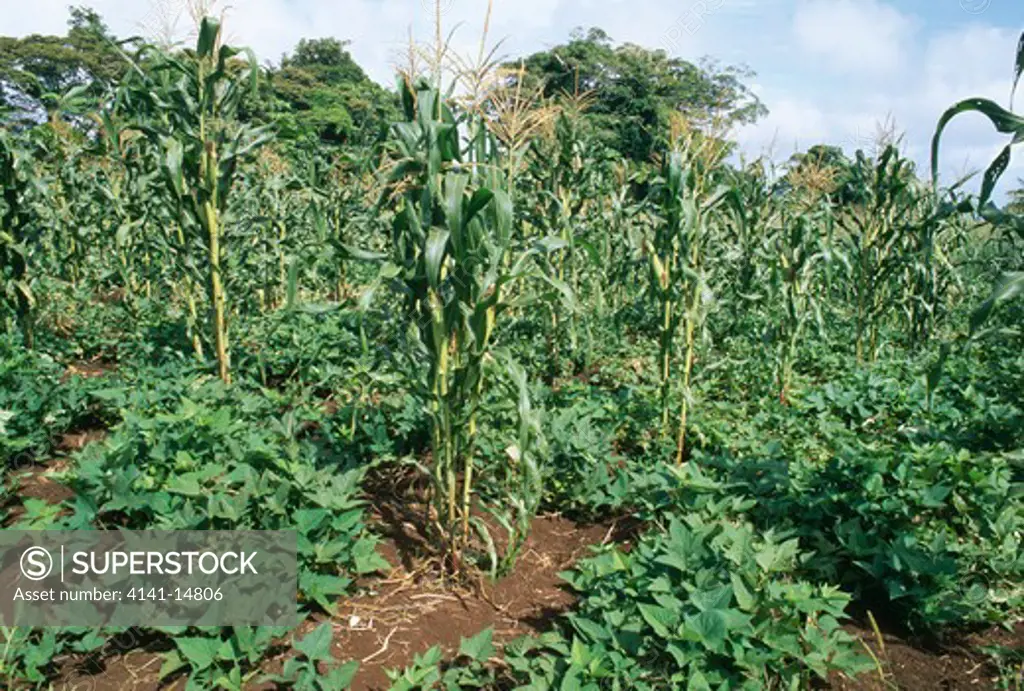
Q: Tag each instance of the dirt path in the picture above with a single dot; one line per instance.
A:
(407, 617)
(403, 614)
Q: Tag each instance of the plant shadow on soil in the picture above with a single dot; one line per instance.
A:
(403, 613)
(413, 608)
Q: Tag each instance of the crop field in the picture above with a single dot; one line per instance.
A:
(555, 389)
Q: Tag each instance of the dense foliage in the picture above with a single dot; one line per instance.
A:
(634, 91)
(503, 288)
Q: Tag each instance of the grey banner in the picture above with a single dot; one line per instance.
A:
(148, 578)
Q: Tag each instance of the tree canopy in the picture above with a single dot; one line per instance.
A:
(328, 93)
(634, 90)
(318, 92)
(36, 69)
(1016, 205)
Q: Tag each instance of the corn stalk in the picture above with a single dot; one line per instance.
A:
(798, 253)
(1005, 121)
(19, 231)
(188, 106)
(677, 265)
(451, 251)
(562, 169)
(878, 228)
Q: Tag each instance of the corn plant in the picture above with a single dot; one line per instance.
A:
(877, 227)
(68, 200)
(268, 208)
(751, 222)
(797, 252)
(451, 251)
(138, 215)
(188, 106)
(685, 200)
(562, 168)
(621, 240)
(20, 230)
(132, 208)
(340, 206)
(1007, 122)
(930, 275)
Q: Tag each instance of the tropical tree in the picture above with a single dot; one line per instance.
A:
(1016, 203)
(328, 95)
(634, 91)
(34, 70)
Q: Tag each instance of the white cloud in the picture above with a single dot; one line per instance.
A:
(863, 37)
(936, 72)
(972, 61)
(793, 123)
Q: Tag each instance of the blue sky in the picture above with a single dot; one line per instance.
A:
(828, 70)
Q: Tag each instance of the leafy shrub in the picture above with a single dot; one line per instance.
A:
(28, 408)
(304, 674)
(866, 401)
(705, 603)
(27, 655)
(582, 469)
(223, 660)
(298, 344)
(469, 670)
(231, 462)
(230, 658)
(931, 532)
(35, 406)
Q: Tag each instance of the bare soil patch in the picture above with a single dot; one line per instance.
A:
(407, 615)
(35, 480)
(954, 665)
(404, 613)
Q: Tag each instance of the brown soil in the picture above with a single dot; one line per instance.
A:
(34, 481)
(129, 661)
(76, 441)
(404, 613)
(407, 616)
(88, 369)
(916, 666)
